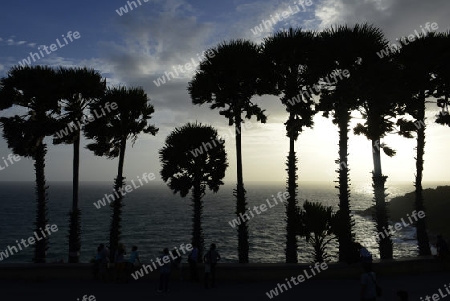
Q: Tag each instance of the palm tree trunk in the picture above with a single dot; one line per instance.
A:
(317, 249)
(376, 157)
(74, 226)
(346, 223)
(76, 171)
(115, 230)
(381, 215)
(241, 204)
(421, 228)
(41, 246)
(197, 231)
(291, 205)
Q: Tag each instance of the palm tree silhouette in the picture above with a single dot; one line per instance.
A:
(316, 225)
(193, 158)
(110, 134)
(290, 53)
(227, 80)
(381, 103)
(80, 86)
(420, 59)
(351, 46)
(35, 89)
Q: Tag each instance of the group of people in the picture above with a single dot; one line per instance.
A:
(210, 260)
(166, 268)
(124, 267)
(369, 285)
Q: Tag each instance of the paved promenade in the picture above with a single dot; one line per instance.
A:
(418, 285)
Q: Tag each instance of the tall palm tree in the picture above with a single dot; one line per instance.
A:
(352, 47)
(186, 170)
(422, 65)
(111, 133)
(228, 79)
(34, 89)
(80, 86)
(381, 104)
(290, 54)
(340, 102)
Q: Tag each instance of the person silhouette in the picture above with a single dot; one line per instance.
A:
(364, 254)
(442, 247)
(164, 272)
(192, 260)
(210, 259)
(120, 263)
(97, 261)
(368, 284)
(104, 264)
(132, 261)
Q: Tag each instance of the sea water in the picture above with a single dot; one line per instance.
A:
(154, 218)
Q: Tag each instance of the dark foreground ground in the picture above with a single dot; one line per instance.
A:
(418, 285)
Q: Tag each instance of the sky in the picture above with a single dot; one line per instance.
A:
(140, 46)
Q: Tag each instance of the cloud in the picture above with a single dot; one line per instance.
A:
(12, 42)
(397, 18)
(149, 45)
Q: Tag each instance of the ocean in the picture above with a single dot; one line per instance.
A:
(154, 218)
